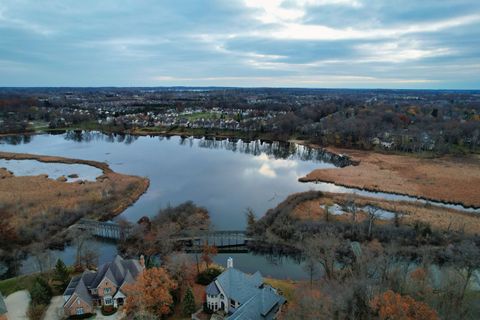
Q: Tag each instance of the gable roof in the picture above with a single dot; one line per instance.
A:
(263, 305)
(238, 285)
(116, 271)
(3, 306)
(77, 288)
(119, 272)
(212, 289)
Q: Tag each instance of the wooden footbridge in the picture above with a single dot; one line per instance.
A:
(225, 241)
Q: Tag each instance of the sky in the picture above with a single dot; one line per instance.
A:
(432, 44)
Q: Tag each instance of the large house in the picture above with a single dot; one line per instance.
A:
(101, 287)
(241, 296)
(3, 308)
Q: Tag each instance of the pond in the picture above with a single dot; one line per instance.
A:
(71, 172)
(224, 176)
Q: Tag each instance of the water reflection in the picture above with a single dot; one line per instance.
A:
(279, 150)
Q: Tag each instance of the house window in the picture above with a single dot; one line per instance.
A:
(107, 290)
(79, 310)
(78, 301)
(108, 301)
(221, 296)
(232, 303)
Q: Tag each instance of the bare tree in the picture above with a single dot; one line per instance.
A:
(372, 215)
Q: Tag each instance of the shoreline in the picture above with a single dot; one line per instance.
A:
(397, 174)
(316, 175)
(56, 159)
(125, 203)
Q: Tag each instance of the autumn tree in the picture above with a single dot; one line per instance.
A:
(393, 306)
(181, 268)
(208, 252)
(150, 294)
(310, 304)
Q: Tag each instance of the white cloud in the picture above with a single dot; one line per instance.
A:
(267, 171)
(298, 31)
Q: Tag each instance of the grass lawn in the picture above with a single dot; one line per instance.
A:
(12, 285)
(285, 287)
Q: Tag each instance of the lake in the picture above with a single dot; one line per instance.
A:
(224, 176)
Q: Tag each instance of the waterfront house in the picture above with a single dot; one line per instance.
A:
(102, 287)
(242, 296)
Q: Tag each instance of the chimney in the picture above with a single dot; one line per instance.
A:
(142, 261)
(229, 262)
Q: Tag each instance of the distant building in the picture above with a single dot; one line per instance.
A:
(101, 287)
(3, 308)
(239, 295)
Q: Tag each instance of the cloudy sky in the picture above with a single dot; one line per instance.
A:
(275, 43)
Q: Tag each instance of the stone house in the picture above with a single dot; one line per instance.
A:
(102, 287)
(239, 295)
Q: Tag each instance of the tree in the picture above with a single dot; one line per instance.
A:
(181, 268)
(466, 261)
(311, 304)
(150, 293)
(188, 303)
(327, 211)
(251, 220)
(393, 306)
(207, 253)
(324, 249)
(311, 259)
(41, 293)
(61, 275)
(372, 216)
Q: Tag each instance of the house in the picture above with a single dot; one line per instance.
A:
(3, 309)
(101, 287)
(241, 296)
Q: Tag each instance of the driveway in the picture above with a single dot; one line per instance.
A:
(17, 305)
(55, 309)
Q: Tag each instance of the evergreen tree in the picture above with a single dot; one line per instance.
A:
(188, 303)
(61, 275)
(41, 293)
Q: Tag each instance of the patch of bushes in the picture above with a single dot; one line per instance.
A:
(36, 311)
(208, 275)
(108, 310)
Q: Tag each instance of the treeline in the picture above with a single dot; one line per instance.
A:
(389, 120)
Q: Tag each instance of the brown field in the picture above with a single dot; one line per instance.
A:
(437, 217)
(30, 201)
(446, 179)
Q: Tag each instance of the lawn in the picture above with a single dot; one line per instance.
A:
(12, 285)
(285, 287)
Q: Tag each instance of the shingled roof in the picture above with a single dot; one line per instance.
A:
(259, 306)
(119, 272)
(238, 285)
(257, 300)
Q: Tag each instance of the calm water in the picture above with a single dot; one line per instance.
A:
(224, 176)
(53, 170)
